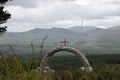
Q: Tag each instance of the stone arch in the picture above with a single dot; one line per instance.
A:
(81, 56)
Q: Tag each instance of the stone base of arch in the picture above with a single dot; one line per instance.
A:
(44, 68)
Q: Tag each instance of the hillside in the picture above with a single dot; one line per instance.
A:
(95, 36)
(117, 28)
(54, 34)
(84, 28)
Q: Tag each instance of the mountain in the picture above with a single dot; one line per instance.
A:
(115, 28)
(50, 31)
(98, 36)
(53, 33)
(37, 34)
(92, 35)
(83, 29)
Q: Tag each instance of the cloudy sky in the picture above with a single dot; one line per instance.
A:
(30, 14)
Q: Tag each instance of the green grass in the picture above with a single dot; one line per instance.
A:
(13, 68)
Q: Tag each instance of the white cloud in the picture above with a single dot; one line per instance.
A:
(28, 14)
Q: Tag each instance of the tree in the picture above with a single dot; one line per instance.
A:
(4, 16)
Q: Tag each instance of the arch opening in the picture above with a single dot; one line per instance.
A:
(64, 60)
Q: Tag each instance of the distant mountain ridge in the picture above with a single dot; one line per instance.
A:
(54, 34)
(95, 35)
(114, 28)
(83, 28)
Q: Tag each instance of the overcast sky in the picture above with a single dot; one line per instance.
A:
(30, 14)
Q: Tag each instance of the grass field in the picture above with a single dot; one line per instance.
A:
(105, 67)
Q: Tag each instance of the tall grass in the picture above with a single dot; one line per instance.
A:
(17, 69)
(33, 50)
(42, 46)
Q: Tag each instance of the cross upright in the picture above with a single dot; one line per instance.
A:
(65, 42)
